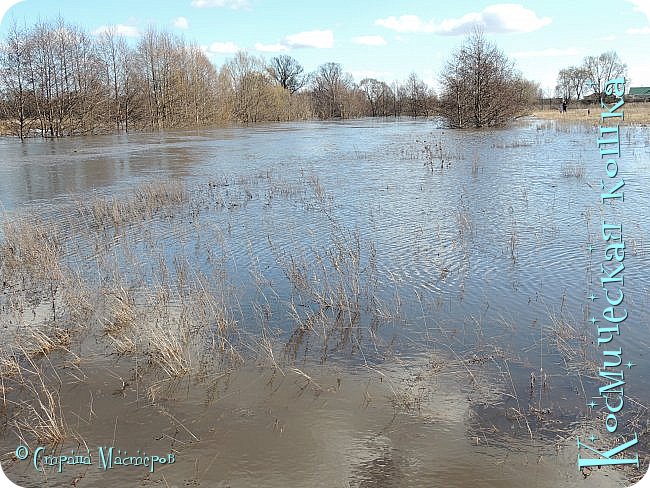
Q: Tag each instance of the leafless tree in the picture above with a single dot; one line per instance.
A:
(481, 87)
(202, 78)
(329, 87)
(564, 86)
(250, 87)
(578, 78)
(600, 69)
(418, 96)
(57, 76)
(14, 77)
(114, 54)
(287, 72)
(379, 96)
(63, 78)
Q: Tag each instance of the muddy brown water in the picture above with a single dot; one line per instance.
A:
(472, 245)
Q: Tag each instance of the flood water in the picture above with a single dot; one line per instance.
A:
(399, 304)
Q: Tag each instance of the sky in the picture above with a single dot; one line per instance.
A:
(382, 39)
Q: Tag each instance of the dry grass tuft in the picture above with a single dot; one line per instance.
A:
(42, 418)
(39, 343)
(145, 201)
(31, 250)
(38, 413)
(167, 347)
(121, 310)
(9, 366)
(123, 344)
(574, 171)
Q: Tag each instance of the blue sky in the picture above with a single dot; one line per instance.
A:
(383, 39)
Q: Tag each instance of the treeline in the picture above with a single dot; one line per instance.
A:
(57, 79)
(589, 78)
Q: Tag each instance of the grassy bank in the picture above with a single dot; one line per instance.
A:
(635, 113)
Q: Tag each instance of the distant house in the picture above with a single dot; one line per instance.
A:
(639, 94)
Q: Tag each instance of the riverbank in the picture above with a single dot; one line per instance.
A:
(635, 113)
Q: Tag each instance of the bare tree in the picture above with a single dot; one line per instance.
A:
(578, 78)
(379, 96)
(14, 77)
(287, 72)
(602, 68)
(329, 87)
(481, 87)
(202, 77)
(251, 87)
(112, 50)
(83, 89)
(564, 86)
(572, 81)
(153, 62)
(398, 98)
(417, 95)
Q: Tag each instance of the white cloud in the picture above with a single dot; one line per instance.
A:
(512, 17)
(233, 4)
(639, 31)
(5, 5)
(548, 53)
(370, 40)
(405, 23)
(320, 39)
(221, 48)
(121, 29)
(498, 18)
(638, 75)
(270, 48)
(642, 6)
(181, 23)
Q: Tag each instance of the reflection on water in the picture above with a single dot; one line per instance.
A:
(342, 430)
(421, 312)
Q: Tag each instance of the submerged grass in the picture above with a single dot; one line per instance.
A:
(30, 252)
(37, 414)
(145, 201)
(574, 171)
(150, 280)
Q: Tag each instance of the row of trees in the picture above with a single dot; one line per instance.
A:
(574, 82)
(57, 80)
